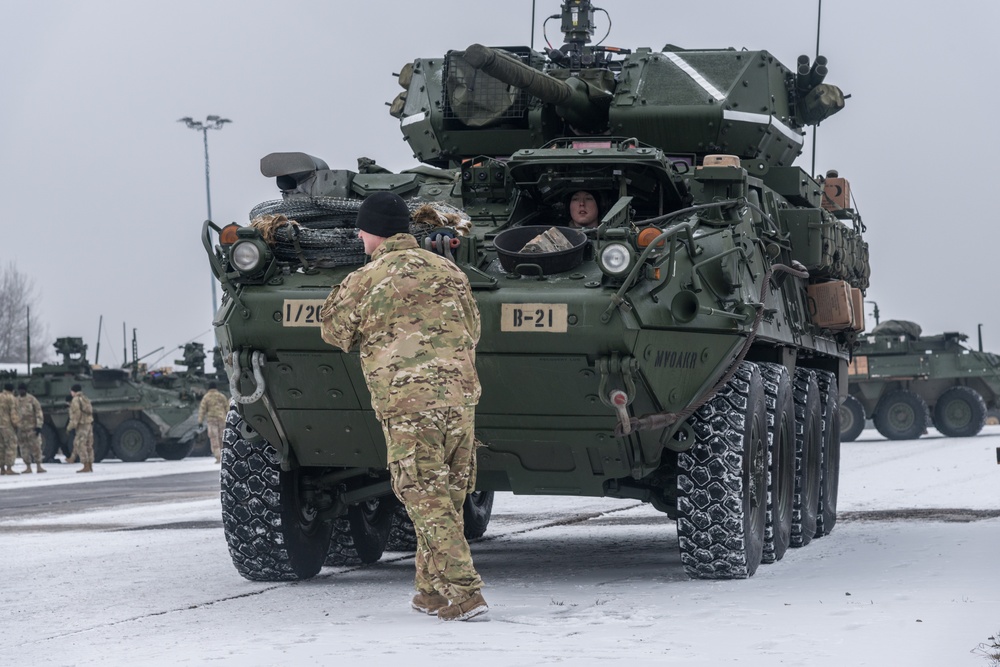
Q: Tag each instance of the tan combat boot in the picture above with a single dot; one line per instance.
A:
(71, 458)
(464, 610)
(87, 467)
(39, 468)
(27, 468)
(429, 603)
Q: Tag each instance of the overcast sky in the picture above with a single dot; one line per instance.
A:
(104, 191)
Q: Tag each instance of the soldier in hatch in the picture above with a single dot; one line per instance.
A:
(212, 412)
(29, 431)
(81, 420)
(412, 314)
(8, 430)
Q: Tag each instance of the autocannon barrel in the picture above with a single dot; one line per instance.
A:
(570, 98)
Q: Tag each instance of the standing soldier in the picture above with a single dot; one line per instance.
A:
(8, 428)
(29, 432)
(412, 315)
(81, 420)
(212, 411)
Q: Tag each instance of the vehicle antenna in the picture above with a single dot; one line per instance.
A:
(819, 18)
(97, 350)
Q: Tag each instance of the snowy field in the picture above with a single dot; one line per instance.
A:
(910, 576)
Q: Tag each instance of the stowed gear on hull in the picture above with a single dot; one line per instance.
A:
(720, 279)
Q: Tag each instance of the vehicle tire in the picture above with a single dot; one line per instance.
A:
(722, 483)
(901, 415)
(826, 516)
(780, 460)
(102, 442)
(960, 412)
(476, 513)
(174, 450)
(273, 533)
(402, 535)
(51, 444)
(133, 441)
(852, 419)
(361, 535)
(808, 456)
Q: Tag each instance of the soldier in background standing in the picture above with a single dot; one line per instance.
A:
(81, 420)
(212, 412)
(8, 429)
(412, 314)
(29, 432)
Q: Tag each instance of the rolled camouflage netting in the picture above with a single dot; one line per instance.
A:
(320, 232)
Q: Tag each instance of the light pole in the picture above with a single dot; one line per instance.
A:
(211, 123)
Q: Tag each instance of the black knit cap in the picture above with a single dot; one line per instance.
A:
(76, 387)
(384, 214)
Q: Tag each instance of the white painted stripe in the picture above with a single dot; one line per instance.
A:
(415, 118)
(698, 78)
(787, 131)
(763, 119)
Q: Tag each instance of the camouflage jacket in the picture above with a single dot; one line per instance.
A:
(214, 405)
(412, 314)
(80, 412)
(29, 411)
(8, 410)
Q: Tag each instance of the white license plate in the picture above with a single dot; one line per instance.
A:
(301, 312)
(534, 317)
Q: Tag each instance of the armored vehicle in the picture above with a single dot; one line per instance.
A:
(903, 381)
(689, 351)
(190, 384)
(132, 419)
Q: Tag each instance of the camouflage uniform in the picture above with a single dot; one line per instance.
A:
(81, 418)
(29, 432)
(212, 412)
(8, 431)
(412, 314)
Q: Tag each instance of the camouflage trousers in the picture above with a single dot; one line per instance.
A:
(83, 444)
(30, 444)
(215, 427)
(432, 461)
(8, 446)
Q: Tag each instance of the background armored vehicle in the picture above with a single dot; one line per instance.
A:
(903, 381)
(132, 420)
(190, 385)
(690, 351)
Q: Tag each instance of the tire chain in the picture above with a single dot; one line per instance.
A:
(800, 391)
(710, 532)
(771, 375)
(251, 507)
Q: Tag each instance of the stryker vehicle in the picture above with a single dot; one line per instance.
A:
(903, 381)
(690, 351)
(191, 385)
(132, 419)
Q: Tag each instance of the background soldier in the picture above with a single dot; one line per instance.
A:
(81, 420)
(212, 412)
(413, 316)
(8, 429)
(29, 431)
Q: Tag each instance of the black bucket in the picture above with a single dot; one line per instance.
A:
(510, 241)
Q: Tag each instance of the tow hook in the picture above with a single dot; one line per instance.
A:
(257, 366)
(618, 399)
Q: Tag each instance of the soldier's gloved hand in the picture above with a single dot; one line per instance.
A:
(38, 431)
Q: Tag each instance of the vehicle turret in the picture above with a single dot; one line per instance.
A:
(493, 101)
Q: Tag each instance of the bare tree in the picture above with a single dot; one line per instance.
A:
(17, 295)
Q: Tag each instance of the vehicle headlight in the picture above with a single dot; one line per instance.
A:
(616, 259)
(247, 257)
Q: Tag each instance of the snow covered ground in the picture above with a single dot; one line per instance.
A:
(573, 581)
